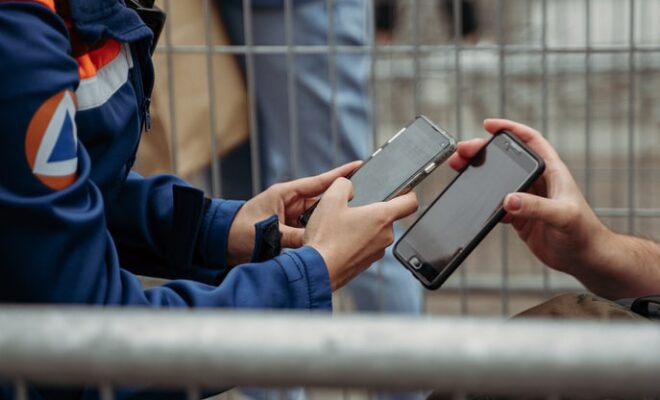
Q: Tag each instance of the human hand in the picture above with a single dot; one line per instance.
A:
(351, 239)
(287, 200)
(553, 219)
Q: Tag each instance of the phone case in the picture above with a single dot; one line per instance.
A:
(456, 261)
(415, 178)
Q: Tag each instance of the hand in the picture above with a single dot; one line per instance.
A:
(553, 219)
(288, 200)
(351, 239)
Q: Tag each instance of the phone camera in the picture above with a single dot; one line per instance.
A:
(415, 263)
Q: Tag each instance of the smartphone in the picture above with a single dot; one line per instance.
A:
(399, 164)
(467, 210)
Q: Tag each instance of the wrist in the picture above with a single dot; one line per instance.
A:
(596, 254)
(241, 240)
(330, 261)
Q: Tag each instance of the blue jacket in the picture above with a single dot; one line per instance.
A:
(75, 223)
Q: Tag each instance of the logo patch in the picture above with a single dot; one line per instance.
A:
(51, 142)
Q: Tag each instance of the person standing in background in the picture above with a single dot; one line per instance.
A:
(390, 291)
(386, 286)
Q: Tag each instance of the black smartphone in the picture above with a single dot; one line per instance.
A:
(399, 164)
(467, 210)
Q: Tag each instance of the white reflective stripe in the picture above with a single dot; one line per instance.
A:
(57, 168)
(95, 91)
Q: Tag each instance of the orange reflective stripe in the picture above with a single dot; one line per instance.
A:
(86, 68)
(92, 61)
(48, 3)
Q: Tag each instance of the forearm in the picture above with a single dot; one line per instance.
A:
(622, 267)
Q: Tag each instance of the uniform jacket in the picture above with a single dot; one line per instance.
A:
(75, 223)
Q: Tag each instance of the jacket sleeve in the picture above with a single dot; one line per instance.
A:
(54, 241)
(158, 233)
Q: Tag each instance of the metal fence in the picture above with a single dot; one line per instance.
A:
(586, 73)
(198, 352)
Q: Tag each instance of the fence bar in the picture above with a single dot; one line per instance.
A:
(458, 29)
(416, 58)
(21, 392)
(373, 144)
(248, 32)
(332, 76)
(170, 87)
(545, 276)
(521, 283)
(631, 122)
(215, 349)
(106, 392)
(588, 103)
(291, 89)
(504, 243)
(193, 393)
(407, 49)
(216, 173)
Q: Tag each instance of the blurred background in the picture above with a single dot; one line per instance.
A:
(586, 73)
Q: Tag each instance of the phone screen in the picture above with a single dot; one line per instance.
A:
(398, 165)
(465, 208)
(391, 166)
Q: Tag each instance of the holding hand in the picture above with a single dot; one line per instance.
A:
(553, 219)
(561, 229)
(348, 239)
(287, 200)
(351, 239)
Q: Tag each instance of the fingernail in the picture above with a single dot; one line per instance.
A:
(514, 203)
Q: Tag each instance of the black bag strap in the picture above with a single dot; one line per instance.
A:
(647, 306)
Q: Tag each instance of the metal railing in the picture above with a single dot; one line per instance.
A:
(199, 350)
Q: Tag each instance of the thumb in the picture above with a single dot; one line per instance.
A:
(525, 205)
(292, 238)
(339, 193)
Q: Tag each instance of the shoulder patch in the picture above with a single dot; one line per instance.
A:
(51, 141)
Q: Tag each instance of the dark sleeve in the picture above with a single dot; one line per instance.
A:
(54, 239)
(163, 227)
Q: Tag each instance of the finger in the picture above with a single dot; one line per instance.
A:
(470, 148)
(531, 137)
(465, 151)
(338, 194)
(402, 206)
(529, 206)
(316, 185)
(292, 238)
(524, 132)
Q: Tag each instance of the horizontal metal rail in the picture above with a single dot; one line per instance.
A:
(211, 349)
(527, 283)
(406, 49)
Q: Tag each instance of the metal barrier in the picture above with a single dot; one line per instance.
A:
(215, 349)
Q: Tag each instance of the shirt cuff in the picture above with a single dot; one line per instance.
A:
(308, 268)
(215, 231)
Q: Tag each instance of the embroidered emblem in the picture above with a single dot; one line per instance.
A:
(51, 142)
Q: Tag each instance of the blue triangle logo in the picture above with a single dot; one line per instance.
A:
(65, 147)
